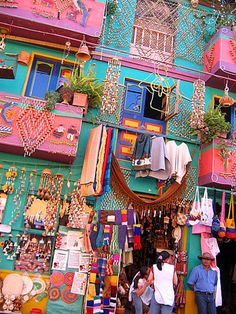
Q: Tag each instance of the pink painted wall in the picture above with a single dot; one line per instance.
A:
(61, 149)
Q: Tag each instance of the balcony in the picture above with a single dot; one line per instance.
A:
(152, 45)
(26, 128)
(220, 59)
(54, 21)
(217, 164)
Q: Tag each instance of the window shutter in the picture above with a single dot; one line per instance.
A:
(172, 101)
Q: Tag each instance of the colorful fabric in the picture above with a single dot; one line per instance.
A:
(130, 235)
(67, 296)
(124, 216)
(90, 162)
(101, 156)
(118, 220)
(54, 293)
(106, 182)
(130, 216)
(93, 236)
(99, 240)
(57, 279)
(122, 229)
(68, 278)
(102, 267)
(106, 156)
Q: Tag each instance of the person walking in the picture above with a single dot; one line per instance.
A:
(140, 291)
(164, 278)
(203, 280)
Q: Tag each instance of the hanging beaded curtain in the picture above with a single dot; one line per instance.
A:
(159, 30)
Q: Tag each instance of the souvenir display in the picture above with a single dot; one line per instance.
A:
(77, 207)
(53, 204)
(3, 201)
(17, 200)
(57, 279)
(34, 125)
(35, 212)
(111, 87)
(45, 184)
(33, 253)
(67, 296)
(11, 175)
(54, 293)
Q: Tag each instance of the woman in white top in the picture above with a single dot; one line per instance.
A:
(164, 279)
(141, 292)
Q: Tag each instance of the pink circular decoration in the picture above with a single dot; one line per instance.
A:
(68, 279)
(57, 279)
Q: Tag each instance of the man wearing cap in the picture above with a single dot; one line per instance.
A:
(203, 280)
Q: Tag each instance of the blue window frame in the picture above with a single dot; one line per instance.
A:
(46, 75)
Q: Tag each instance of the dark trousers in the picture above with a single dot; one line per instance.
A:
(205, 303)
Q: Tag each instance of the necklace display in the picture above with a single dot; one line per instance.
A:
(53, 204)
(11, 175)
(33, 253)
(77, 207)
(32, 181)
(17, 200)
(34, 125)
(198, 104)
(111, 87)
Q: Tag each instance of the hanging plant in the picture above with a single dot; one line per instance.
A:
(112, 6)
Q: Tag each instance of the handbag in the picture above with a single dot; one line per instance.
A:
(194, 215)
(206, 210)
(230, 222)
(215, 220)
(181, 217)
(221, 232)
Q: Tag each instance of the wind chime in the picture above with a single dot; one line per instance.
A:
(198, 104)
(34, 124)
(111, 87)
(77, 207)
(53, 204)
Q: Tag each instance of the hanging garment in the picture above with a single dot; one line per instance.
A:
(183, 157)
(160, 165)
(171, 153)
(97, 183)
(106, 181)
(90, 161)
(141, 155)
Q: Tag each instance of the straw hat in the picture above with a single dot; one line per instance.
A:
(206, 255)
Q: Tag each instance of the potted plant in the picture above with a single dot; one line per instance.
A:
(51, 98)
(88, 90)
(214, 125)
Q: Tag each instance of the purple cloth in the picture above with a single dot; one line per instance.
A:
(93, 236)
(130, 216)
(122, 236)
(106, 182)
(118, 217)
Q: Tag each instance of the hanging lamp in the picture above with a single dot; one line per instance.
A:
(226, 100)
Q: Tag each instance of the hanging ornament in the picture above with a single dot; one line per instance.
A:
(77, 207)
(17, 200)
(198, 104)
(34, 126)
(194, 3)
(45, 184)
(2, 43)
(226, 100)
(53, 204)
(32, 181)
(111, 87)
(11, 175)
(66, 51)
